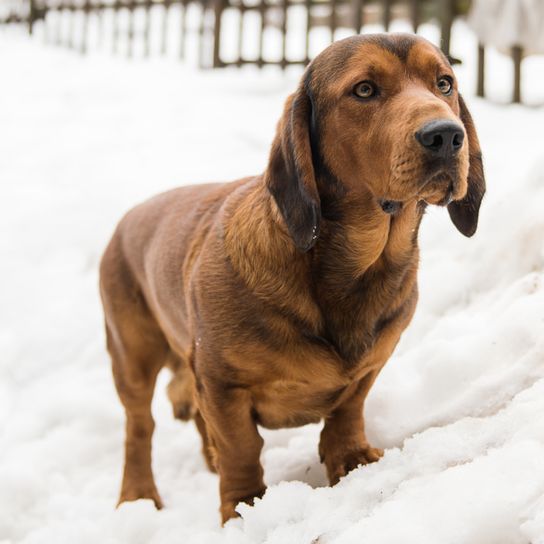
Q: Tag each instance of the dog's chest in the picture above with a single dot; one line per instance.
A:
(292, 404)
(351, 330)
(357, 316)
(358, 306)
(289, 403)
(304, 389)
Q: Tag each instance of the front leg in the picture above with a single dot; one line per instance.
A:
(236, 444)
(343, 445)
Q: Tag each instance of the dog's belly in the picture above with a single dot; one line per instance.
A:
(292, 404)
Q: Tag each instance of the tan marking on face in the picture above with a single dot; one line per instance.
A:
(372, 142)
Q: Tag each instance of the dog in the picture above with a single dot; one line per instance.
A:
(277, 299)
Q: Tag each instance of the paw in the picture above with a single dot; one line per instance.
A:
(340, 464)
(228, 511)
(228, 507)
(142, 491)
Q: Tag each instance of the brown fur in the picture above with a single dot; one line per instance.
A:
(277, 299)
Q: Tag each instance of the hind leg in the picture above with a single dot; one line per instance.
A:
(181, 389)
(138, 351)
(208, 449)
(182, 396)
(135, 367)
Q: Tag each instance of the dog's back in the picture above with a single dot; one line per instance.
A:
(151, 249)
(287, 293)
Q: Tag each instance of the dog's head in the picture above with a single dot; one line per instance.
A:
(379, 114)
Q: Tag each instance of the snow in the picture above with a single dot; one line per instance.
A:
(459, 407)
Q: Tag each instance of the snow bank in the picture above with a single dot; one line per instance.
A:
(459, 408)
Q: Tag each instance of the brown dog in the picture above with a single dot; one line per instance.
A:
(277, 299)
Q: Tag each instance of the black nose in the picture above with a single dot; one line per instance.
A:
(442, 138)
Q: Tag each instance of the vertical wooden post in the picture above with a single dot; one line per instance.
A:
(262, 13)
(31, 16)
(357, 7)
(446, 19)
(100, 23)
(164, 39)
(201, 31)
(240, 32)
(517, 56)
(332, 19)
(71, 23)
(308, 4)
(480, 85)
(387, 14)
(147, 28)
(285, 8)
(415, 14)
(85, 29)
(131, 9)
(218, 7)
(115, 36)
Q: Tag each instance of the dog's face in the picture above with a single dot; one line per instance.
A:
(389, 119)
(380, 114)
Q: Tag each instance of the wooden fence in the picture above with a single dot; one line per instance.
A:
(223, 28)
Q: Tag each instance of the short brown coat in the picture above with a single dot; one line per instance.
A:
(277, 299)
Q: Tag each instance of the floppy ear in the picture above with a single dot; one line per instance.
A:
(464, 213)
(290, 175)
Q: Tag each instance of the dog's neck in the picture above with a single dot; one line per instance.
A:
(364, 269)
(363, 263)
(347, 284)
(363, 235)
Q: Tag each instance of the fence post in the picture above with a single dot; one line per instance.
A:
(218, 7)
(262, 13)
(242, 12)
(31, 16)
(517, 55)
(130, 47)
(333, 19)
(284, 10)
(308, 5)
(446, 19)
(115, 32)
(147, 27)
(85, 29)
(71, 22)
(387, 13)
(357, 7)
(480, 87)
(415, 13)
(164, 38)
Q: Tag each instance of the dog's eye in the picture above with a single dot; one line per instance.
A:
(445, 85)
(364, 89)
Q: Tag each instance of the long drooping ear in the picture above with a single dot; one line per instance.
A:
(290, 175)
(464, 213)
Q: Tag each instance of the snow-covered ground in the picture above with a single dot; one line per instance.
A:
(459, 407)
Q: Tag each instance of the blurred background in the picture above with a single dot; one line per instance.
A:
(220, 33)
(106, 103)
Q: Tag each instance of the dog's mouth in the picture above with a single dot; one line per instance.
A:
(436, 182)
(440, 188)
